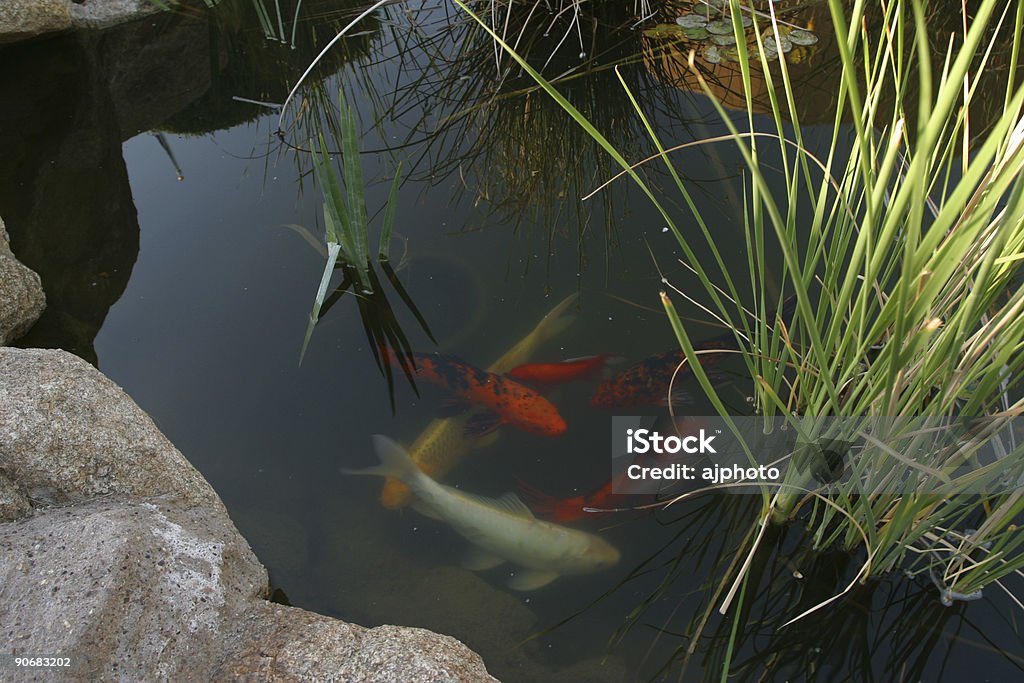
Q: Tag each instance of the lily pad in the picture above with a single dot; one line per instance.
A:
(711, 54)
(723, 40)
(730, 53)
(784, 45)
(719, 27)
(691, 20)
(696, 33)
(801, 37)
(746, 21)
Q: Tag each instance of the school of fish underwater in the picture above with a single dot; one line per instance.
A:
(436, 452)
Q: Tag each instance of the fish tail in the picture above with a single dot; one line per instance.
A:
(394, 462)
(605, 370)
(557, 319)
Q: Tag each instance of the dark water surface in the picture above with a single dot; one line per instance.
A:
(193, 295)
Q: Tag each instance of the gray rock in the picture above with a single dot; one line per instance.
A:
(104, 13)
(21, 293)
(13, 501)
(129, 590)
(24, 19)
(69, 433)
(291, 644)
(152, 590)
(152, 581)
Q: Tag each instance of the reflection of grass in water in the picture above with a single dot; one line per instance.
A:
(907, 296)
(491, 125)
(245, 64)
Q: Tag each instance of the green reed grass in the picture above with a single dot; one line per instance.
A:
(904, 268)
(346, 220)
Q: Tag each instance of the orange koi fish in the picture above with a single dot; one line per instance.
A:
(505, 400)
(545, 374)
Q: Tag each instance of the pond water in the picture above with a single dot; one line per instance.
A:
(157, 209)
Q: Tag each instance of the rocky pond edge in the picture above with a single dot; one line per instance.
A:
(116, 553)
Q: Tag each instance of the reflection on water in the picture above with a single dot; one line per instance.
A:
(194, 297)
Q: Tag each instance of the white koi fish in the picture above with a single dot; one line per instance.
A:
(503, 529)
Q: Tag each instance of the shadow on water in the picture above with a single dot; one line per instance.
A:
(67, 203)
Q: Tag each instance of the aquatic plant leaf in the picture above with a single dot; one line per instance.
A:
(333, 249)
(384, 248)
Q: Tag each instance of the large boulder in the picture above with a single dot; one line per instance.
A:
(104, 13)
(130, 590)
(117, 554)
(24, 19)
(21, 293)
(68, 433)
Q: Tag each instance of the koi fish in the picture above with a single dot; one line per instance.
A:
(569, 509)
(547, 374)
(505, 400)
(576, 508)
(445, 441)
(647, 383)
(503, 529)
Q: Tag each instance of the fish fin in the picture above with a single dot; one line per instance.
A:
(531, 579)
(482, 424)
(512, 504)
(478, 560)
(424, 509)
(488, 439)
(394, 462)
(557, 319)
(508, 503)
(540, 501)
(451, 408)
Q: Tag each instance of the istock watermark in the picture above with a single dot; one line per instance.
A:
(855, 455)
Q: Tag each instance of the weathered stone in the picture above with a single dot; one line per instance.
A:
(104, 13)
(13, 502)
(291, 644)
(21, 293)
(129, 590)
(23, 19)
(151, 590)
(70, 433)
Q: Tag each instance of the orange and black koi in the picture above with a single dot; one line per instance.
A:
(647, 382)
(547, 374)
(505, 400)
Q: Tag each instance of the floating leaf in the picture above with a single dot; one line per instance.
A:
(692, 21)
(696, 33)
(723, 40)
(784, 44)
(801, 37)
(711, 54)
(730, 53)
(719, 26)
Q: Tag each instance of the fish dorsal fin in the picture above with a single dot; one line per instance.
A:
(513, 504)
(508, 503)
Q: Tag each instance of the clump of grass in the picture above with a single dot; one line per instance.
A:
(346, 221)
